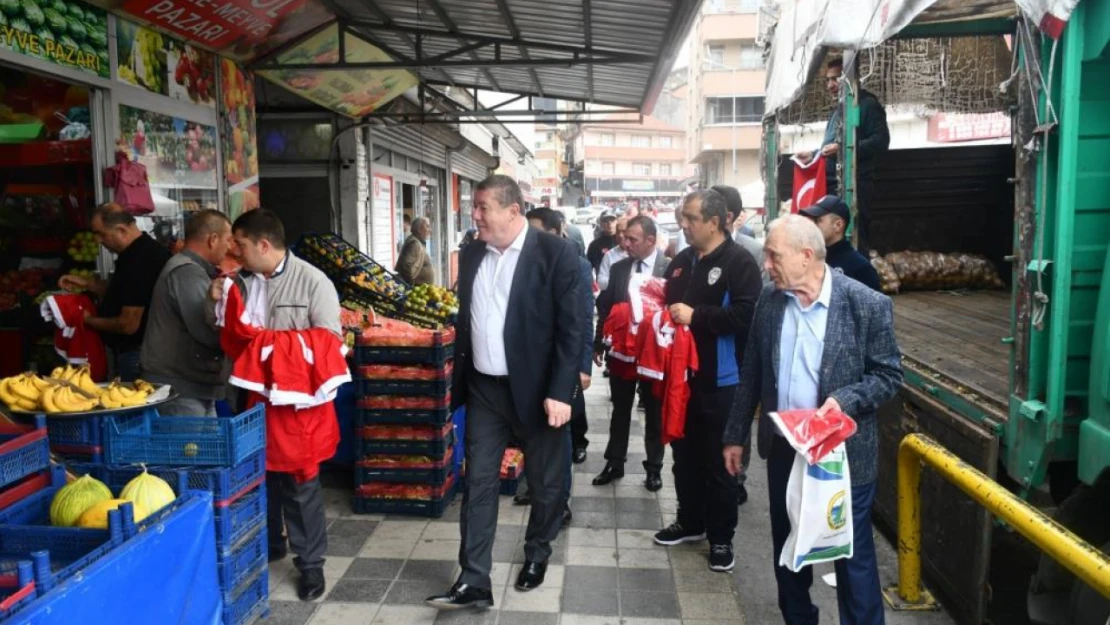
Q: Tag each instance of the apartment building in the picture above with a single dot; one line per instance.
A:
(551, 165)
(641, 162)
(726, 87)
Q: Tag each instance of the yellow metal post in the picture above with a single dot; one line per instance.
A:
(1085, 561)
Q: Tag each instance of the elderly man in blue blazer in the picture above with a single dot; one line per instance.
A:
(818, 340)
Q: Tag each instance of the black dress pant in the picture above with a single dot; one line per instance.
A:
(491, 421)
(299, 508)
(578, 424)
(623, 394)
(706, 490)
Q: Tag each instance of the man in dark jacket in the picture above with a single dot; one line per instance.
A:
(872, 141)
(712, 287)
(832, 217)
(604, 242)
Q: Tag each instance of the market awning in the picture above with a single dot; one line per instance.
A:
(805, 28)
(613, 52)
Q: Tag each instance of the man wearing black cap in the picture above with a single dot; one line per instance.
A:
(831, 215)
(606, 241)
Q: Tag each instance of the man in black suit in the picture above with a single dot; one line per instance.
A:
(517, 350)
(643, 257)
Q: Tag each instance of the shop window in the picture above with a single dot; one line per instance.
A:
(180, 161)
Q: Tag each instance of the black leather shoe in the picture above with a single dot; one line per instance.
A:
(653, 481)
(608, 474)
(579, 455)
(462, 596)
(522, 500)
(278, 552)
(311, 585)
(531, 576)
(567, 514)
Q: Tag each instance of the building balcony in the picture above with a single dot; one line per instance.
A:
(728, 26)
(732, 83)
(720, 138)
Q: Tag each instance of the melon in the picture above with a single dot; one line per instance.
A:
(96, 517)
(71, 500)
(149, 492)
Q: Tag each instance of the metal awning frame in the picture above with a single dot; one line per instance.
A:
(437, 107)
(468, 43)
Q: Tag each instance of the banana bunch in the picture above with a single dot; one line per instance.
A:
(64, 398)
(23, 392)
(119, 396)
(80, 377)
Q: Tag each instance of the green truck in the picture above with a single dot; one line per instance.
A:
(1017, 381)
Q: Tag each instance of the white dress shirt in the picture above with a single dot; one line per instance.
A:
(612, 256)
(489, 305)
(258, 295)
(646, 265)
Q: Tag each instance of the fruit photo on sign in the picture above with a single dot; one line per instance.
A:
(194, 74)
(64, 31)
(142, 57)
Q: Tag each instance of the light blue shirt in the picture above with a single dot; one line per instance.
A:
(800, 348)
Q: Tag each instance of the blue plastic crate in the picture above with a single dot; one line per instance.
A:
(86, 432)
(250, 601)
(239, 562)
(34, 508)
(17, 587)
(223, 482)
(24, 450)
(425, 388)
(373, 354)
(241, 517)
(402, 416)
(78, 453)
(433, 475)
(435, 447)
(190, 441)
(413, 507)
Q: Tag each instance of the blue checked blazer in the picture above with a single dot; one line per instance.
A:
(861, 367)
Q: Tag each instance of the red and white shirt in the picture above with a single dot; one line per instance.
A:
(74, 342)
(667, 355)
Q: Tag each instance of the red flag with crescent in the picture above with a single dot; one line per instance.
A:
(809, 183)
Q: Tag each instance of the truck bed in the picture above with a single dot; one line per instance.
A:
(958, 335)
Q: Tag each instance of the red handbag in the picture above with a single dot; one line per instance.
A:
(130, 185)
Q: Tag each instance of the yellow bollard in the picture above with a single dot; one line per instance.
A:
(1078, 556)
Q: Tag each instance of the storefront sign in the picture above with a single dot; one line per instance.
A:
(163, 65)
(351, 92)
(952, 127)
(239, 137)
(637, 185)
(69, 33)
(242, 29)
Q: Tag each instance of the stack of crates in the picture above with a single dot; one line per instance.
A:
(404, 436)
(224, 456)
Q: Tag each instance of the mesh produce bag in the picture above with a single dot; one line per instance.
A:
(888, 278)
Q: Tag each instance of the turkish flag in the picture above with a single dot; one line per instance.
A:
(809, 183)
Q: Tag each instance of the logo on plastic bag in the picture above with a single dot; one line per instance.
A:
(837, 514)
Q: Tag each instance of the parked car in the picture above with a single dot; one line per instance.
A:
(585, 215)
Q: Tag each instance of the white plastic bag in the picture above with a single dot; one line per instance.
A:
(819, 504)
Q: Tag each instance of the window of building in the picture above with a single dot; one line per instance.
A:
(641, 169)
(606, 138)
(738, 110)
(751, 57)
(664, 169)
(641, 141)
(664, 141)
(746, 6)
(715, 59)
(607, 168)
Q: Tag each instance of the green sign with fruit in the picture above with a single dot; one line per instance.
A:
(66, 32)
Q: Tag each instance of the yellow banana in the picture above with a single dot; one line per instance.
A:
(39, 383)
(85, 382)
(26, 406)
(126, 392)
(138, 399)
(57, 373)
(23, 388)
(144, 386)
(70, 401)
(48, 401)
(6, 394)
(106, 401)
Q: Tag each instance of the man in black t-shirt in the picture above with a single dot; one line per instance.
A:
(124, 299)
(605, 241)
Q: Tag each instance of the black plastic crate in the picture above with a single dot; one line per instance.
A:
(402, 416)
(374, 354)
(434, 507)
(368, 444)
(435, 474)
(424, 388)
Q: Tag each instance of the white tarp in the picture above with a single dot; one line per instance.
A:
(804, 27)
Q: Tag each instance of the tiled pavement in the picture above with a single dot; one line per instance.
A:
(605, 570)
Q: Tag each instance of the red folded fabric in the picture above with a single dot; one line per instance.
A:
(75, 343)
(814, 436)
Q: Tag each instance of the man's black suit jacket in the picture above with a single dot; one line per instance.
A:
(543, 329)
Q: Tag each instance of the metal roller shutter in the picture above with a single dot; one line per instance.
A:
(409, 141)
